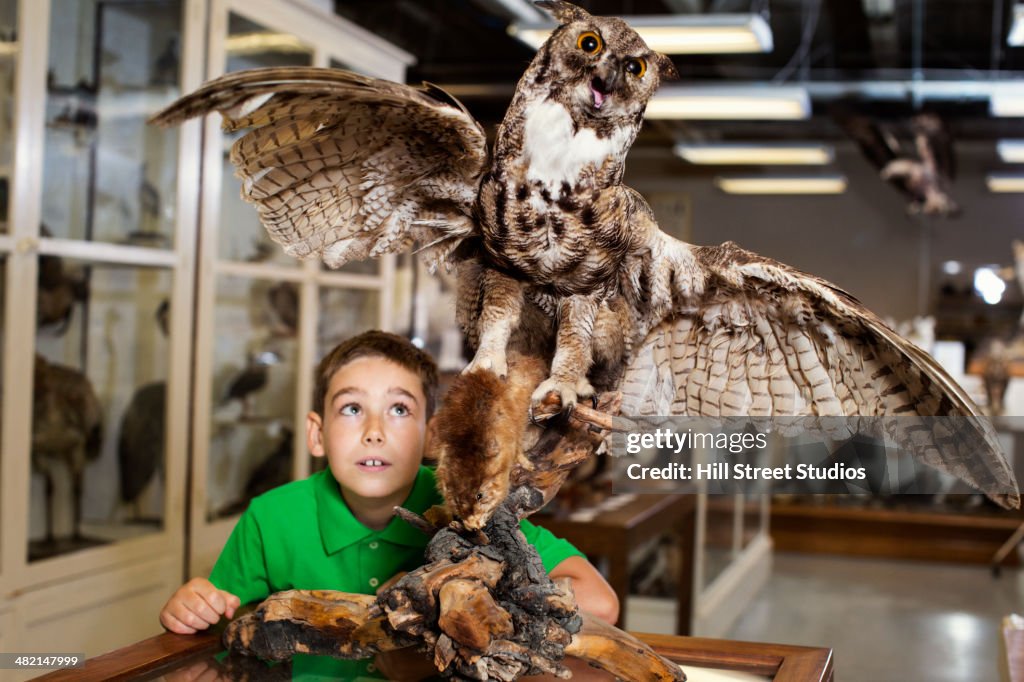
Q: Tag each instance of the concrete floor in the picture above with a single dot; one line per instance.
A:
(897, 621)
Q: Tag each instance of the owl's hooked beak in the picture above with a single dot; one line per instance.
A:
(603, 84)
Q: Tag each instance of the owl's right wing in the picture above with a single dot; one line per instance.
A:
(344, 166)
(729, 333)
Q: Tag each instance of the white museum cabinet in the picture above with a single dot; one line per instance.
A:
(157, 350)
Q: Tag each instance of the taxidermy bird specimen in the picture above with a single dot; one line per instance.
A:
(140, 443)
(251, 380)
(274, 470)
(67, 431)
(924, 174)
(995, 376)
(59, 291)
(283, 309)
(559, 262)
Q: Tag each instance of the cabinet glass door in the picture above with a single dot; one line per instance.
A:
(8, 58)
(8, 61)
(254, 391)
(256, 319)
(108, 176)
(99, 404)
(106, 276)
(264, 318)
(251, 45)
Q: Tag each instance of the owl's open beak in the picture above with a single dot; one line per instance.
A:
(602, 85)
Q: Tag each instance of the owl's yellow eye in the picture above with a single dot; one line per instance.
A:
(637, 67)
(589, 42)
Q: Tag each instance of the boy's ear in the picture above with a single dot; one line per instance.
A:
(315, 434)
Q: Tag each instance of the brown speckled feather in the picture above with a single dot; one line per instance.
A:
(346, 167)
(763, 339)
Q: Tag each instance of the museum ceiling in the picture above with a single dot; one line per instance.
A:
(861, 54)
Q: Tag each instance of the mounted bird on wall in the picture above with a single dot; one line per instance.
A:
(560, 263)
(923, 170)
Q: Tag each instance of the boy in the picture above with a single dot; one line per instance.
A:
(336, 530)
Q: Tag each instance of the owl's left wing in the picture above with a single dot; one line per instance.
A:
(344, 166)
(731, 333)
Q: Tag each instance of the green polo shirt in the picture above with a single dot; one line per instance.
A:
(303, 536)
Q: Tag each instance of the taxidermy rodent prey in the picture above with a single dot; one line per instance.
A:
(557, 258)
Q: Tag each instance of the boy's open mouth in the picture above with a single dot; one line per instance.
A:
(373, 463)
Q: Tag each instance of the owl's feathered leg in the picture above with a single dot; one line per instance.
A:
(574, 354)
(502, 306)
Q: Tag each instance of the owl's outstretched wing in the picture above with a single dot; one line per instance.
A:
(346, 167)
(753, 337)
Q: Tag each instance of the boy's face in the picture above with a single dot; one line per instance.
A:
(372, 431)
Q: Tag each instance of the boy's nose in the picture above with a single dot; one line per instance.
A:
(373, 435)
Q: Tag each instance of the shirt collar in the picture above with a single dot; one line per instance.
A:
(339, 528)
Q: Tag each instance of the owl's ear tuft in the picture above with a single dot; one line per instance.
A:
(666, 69)
(564, 12)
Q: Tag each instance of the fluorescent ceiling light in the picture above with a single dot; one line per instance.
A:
(730, 103)
(746, 153)
(1005, 182)
(1011, 151)
(521, 10)
(1015, 38)
(1007, 103)
(814, 184)
(681, 34)
(256, 43)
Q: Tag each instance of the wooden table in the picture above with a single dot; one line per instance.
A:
(613, 534)
(167, 653)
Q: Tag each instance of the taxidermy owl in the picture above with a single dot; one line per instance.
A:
(557, 258)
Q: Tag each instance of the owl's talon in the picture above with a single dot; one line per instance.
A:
(488, 361)
(584, 389)
(552, 392)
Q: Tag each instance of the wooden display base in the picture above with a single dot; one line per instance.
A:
(890, 533)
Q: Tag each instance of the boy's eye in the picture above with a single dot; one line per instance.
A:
(350, 410)
(399, 410)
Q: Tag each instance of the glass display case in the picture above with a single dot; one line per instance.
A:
(99, 404)
(264, 318)
(8, 60)
(115, 175)
(124, 250)
(99, 232)
(101, 361)
(8, 55)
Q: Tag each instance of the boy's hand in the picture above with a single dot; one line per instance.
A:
(197, 605)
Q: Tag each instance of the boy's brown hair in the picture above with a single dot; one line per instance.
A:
(376, 343)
